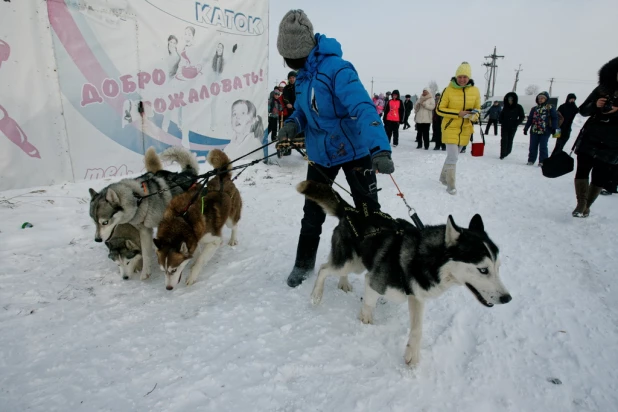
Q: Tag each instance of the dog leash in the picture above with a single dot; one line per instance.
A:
(411, 211)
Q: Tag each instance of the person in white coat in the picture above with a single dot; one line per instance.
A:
(423, 110)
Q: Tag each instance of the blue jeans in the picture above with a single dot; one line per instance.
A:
(538, 141)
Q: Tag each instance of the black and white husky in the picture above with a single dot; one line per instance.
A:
(405, 263)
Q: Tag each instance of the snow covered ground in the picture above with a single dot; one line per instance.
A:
(75, 336)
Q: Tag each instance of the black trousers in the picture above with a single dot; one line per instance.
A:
(562, 140)
(437, 134)
(601, 171)
(359, 183)
(422, 134)
(392, 130)
(506, 142)
(406, 125)
(489, 123)
(273, 126)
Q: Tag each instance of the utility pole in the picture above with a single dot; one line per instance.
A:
(492, 73)
(551, 83)
(372, 87)
(517, 78)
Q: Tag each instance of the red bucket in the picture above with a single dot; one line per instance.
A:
(478, 149)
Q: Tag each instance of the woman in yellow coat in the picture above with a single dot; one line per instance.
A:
(456, 107)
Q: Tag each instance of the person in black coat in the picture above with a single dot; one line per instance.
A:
(289, 94)
(393, 116)
(407, 104)
(597, 148)
(511, 116)
(568, 111)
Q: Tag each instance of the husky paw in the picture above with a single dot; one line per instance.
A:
(412, 356)
(316, 297)
(233, 242)
(366, 317)
(344, 285)
(191, 280)
(144, 276)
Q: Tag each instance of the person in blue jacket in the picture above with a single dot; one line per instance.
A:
(342, 127)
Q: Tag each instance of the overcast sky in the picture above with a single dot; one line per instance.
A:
(404, 44)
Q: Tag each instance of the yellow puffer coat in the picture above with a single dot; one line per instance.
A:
(455, 129)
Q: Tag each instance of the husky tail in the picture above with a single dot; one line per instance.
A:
(183, 157)
(152, 161)
(219, 160)
(325, 196)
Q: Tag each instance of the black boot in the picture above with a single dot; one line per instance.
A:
(305, 259)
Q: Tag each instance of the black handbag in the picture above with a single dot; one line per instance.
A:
(560, 163)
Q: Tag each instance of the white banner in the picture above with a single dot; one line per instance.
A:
(130, 74)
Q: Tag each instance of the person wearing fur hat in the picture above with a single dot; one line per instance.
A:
(543, 120)
(597, 147)
(423, 116)
(394, 113)
(341, 125)
(459, 106)
(407, 105)
(567, 112)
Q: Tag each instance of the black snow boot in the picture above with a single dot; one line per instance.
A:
(305, 259)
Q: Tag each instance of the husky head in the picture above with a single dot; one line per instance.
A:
(173, 258)
(474, 261)
(126, 254)
(107, 212)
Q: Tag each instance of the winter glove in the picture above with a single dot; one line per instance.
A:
(382, 163)
(288, 131)
(474, 117)
(525, 132)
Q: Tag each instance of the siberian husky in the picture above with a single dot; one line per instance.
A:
(193, 220)
(142, 201)
(124, 250)
(405, 263)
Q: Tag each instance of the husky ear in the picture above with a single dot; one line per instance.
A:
(112, 197)
(131, 245)
(452, 232)
(184, 249)
(92, 193)
(156, 242)
(476, 224)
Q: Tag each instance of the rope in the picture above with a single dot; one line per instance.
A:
(411, 211)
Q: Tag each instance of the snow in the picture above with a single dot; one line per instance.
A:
(75, 336)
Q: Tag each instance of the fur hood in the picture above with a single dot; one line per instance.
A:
(608, 76)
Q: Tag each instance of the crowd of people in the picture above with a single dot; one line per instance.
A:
(345, 129)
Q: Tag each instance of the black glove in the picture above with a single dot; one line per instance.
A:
(382, 163)
(525, 132)
(288, 131)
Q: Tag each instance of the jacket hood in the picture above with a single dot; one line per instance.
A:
(570, 96)
(397, 93)
(381, 96)
(542, 94)
(325, 46)
(514, 96)
(608, 76)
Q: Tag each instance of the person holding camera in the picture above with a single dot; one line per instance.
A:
(342, 128)
(597, 147)
(459, 107)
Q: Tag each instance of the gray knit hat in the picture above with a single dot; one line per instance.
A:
(296, 38)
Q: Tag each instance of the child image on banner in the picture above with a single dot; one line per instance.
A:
(189, 68)
(248, 131)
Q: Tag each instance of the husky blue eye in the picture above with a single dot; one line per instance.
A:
(484, 271)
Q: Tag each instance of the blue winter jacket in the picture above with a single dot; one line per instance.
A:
(334, 110)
